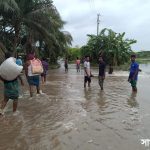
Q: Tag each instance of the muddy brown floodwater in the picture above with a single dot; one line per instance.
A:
(69, 117)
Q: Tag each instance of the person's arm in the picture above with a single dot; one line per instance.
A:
(26, 68)
(21, 80)
(47, 67)
(91, 74)
(140, 70)
(85, 69)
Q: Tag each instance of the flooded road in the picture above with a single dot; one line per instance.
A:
(69, 117)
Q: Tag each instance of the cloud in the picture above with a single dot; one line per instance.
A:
(127, 16)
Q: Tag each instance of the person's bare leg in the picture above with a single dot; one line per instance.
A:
(84, 84)
(38, 89)
(31, 90)
(45, 79)
(89, 84)
(15, 104)
(134, 89)
(3, 105)
(42, 79)
(101, 81)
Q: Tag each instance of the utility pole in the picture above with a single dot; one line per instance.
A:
(98, 22)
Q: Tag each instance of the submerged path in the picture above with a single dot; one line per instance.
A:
(69, 117)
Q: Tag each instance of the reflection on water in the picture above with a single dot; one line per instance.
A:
(145, 68)
(69, 117)
(101, 101)
(132, 100)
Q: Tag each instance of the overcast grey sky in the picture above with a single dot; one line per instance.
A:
(130, 16)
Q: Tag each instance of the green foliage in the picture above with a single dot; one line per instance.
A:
(112, 46)
(73, 53)
(31, 21)
(143, 57)
(143, 54)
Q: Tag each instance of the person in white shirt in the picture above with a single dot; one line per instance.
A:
(87, 71)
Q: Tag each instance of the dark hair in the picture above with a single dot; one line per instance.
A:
(77, 57)
(8, 55)
(44, 59)
(133, 56)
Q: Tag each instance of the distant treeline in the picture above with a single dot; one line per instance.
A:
(143, 54)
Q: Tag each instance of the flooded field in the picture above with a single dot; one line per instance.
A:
(69, 117)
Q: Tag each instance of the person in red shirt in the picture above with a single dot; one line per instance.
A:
(78, 64)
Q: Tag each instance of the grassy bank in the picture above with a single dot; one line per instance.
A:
(143, 60)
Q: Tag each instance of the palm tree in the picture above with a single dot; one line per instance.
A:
(8, 6)
(37, 17)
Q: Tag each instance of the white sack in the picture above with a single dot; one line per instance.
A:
(9, 70)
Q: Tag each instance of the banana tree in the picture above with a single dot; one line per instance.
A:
(113, 46)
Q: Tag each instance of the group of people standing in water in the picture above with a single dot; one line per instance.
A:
(132, 79)
(35, 70)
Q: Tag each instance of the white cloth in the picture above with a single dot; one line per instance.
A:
(87, 67)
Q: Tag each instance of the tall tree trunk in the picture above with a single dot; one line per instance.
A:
(2, 47)
(29, 43)
(16, 38)
(2, 52)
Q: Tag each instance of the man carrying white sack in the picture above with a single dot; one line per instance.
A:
(11, 90)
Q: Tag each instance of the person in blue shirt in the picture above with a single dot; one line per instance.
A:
(133, 75)
(19, 61)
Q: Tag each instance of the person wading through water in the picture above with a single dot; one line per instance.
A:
(133, 75)
(78, 64)
(87, 72)
(101, 76)
(11, 90)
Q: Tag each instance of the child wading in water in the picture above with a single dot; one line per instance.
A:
(45, 70)
(11, 91)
